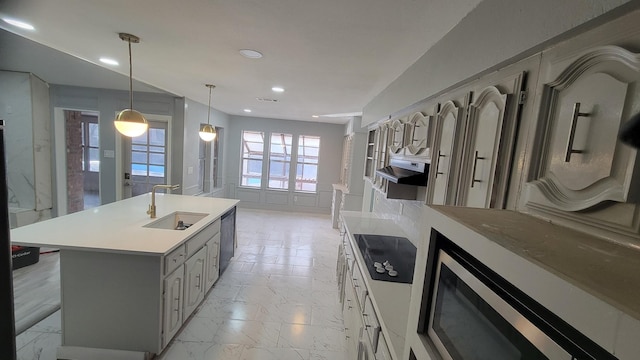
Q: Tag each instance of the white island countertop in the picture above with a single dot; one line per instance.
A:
(119, 226)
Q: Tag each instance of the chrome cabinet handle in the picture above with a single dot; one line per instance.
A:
(475, 166)
(438, 172)
(198, 277)
(572, 132)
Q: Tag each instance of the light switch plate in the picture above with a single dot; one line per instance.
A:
(109, 153)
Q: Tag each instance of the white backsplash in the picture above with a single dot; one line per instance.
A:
(406, 213)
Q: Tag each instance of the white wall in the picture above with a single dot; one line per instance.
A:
(332, 137)
(496, 31)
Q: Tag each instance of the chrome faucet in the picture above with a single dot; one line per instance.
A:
(152, 207)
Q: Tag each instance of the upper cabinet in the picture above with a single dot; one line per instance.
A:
(442, 175)
(488, 146)
(584, 102)
(418, 136)
(396, 136)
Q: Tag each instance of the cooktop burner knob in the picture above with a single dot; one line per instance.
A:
(393, 273)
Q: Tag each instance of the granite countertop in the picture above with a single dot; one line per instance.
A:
(118, 227)
(390, 299)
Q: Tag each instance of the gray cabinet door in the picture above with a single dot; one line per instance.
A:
(213, 254)
(194, 281)
(173, 298)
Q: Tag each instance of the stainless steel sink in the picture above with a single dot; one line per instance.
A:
(171, 221)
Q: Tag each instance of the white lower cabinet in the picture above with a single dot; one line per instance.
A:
(172, 304)
(194, 274)
(213, 260)
(352, 319)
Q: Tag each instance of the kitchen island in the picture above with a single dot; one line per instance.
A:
(128, 282)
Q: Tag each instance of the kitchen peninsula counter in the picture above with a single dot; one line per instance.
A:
(119, 226)
(127, 289)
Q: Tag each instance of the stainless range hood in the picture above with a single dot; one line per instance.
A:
(405, 172)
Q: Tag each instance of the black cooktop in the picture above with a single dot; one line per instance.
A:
(396, 251)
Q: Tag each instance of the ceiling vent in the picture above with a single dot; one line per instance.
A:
(266, 99)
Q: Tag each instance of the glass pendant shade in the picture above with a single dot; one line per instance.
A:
(207, 133)
(131, 123)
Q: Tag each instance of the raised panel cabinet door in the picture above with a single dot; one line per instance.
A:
(172, 312)
(397, 136)
(443, 160)
(194, 281)
(381, 154)
(213, 250)
(418, 133)
(484, 130)
(584, 103)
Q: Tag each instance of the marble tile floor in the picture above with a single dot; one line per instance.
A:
(278, 298)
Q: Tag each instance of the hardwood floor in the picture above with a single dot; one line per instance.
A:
(36, 291)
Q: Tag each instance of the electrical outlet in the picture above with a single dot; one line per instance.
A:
(190, 170)
(295, 198)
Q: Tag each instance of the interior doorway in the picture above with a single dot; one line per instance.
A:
(146, 159)
(82, 139)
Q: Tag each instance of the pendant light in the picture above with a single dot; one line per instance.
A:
(208, 132)
(130, 122)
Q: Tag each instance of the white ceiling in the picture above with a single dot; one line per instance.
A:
(331, 56)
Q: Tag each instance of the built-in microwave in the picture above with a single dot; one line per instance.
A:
(469, 321)
(472, 312)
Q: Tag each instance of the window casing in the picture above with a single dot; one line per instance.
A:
(252, 157)
(279, 161)
(291, 163)
(307, 165)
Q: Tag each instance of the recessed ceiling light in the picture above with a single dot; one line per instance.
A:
(109, 61)
(315, 116)
(251, 54)
(277, 89)
(18, 23)
(247, 110)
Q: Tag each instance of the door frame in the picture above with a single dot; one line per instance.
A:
(60, 157)
(121, 153)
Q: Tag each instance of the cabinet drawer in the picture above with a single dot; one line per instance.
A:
(174, 259)
(359, 285)
(196, 242)
(371, 323)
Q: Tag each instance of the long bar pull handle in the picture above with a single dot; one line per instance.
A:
(438, 172)
(475, 167)
(572, 131)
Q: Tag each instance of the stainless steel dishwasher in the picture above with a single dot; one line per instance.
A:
(227, 238)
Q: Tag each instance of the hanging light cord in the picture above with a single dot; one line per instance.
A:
(130, 77)
(209, 112)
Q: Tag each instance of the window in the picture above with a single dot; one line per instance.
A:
(307, 169)
(252, 155)
(279, 161)
(148, 160)
(90, 140)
